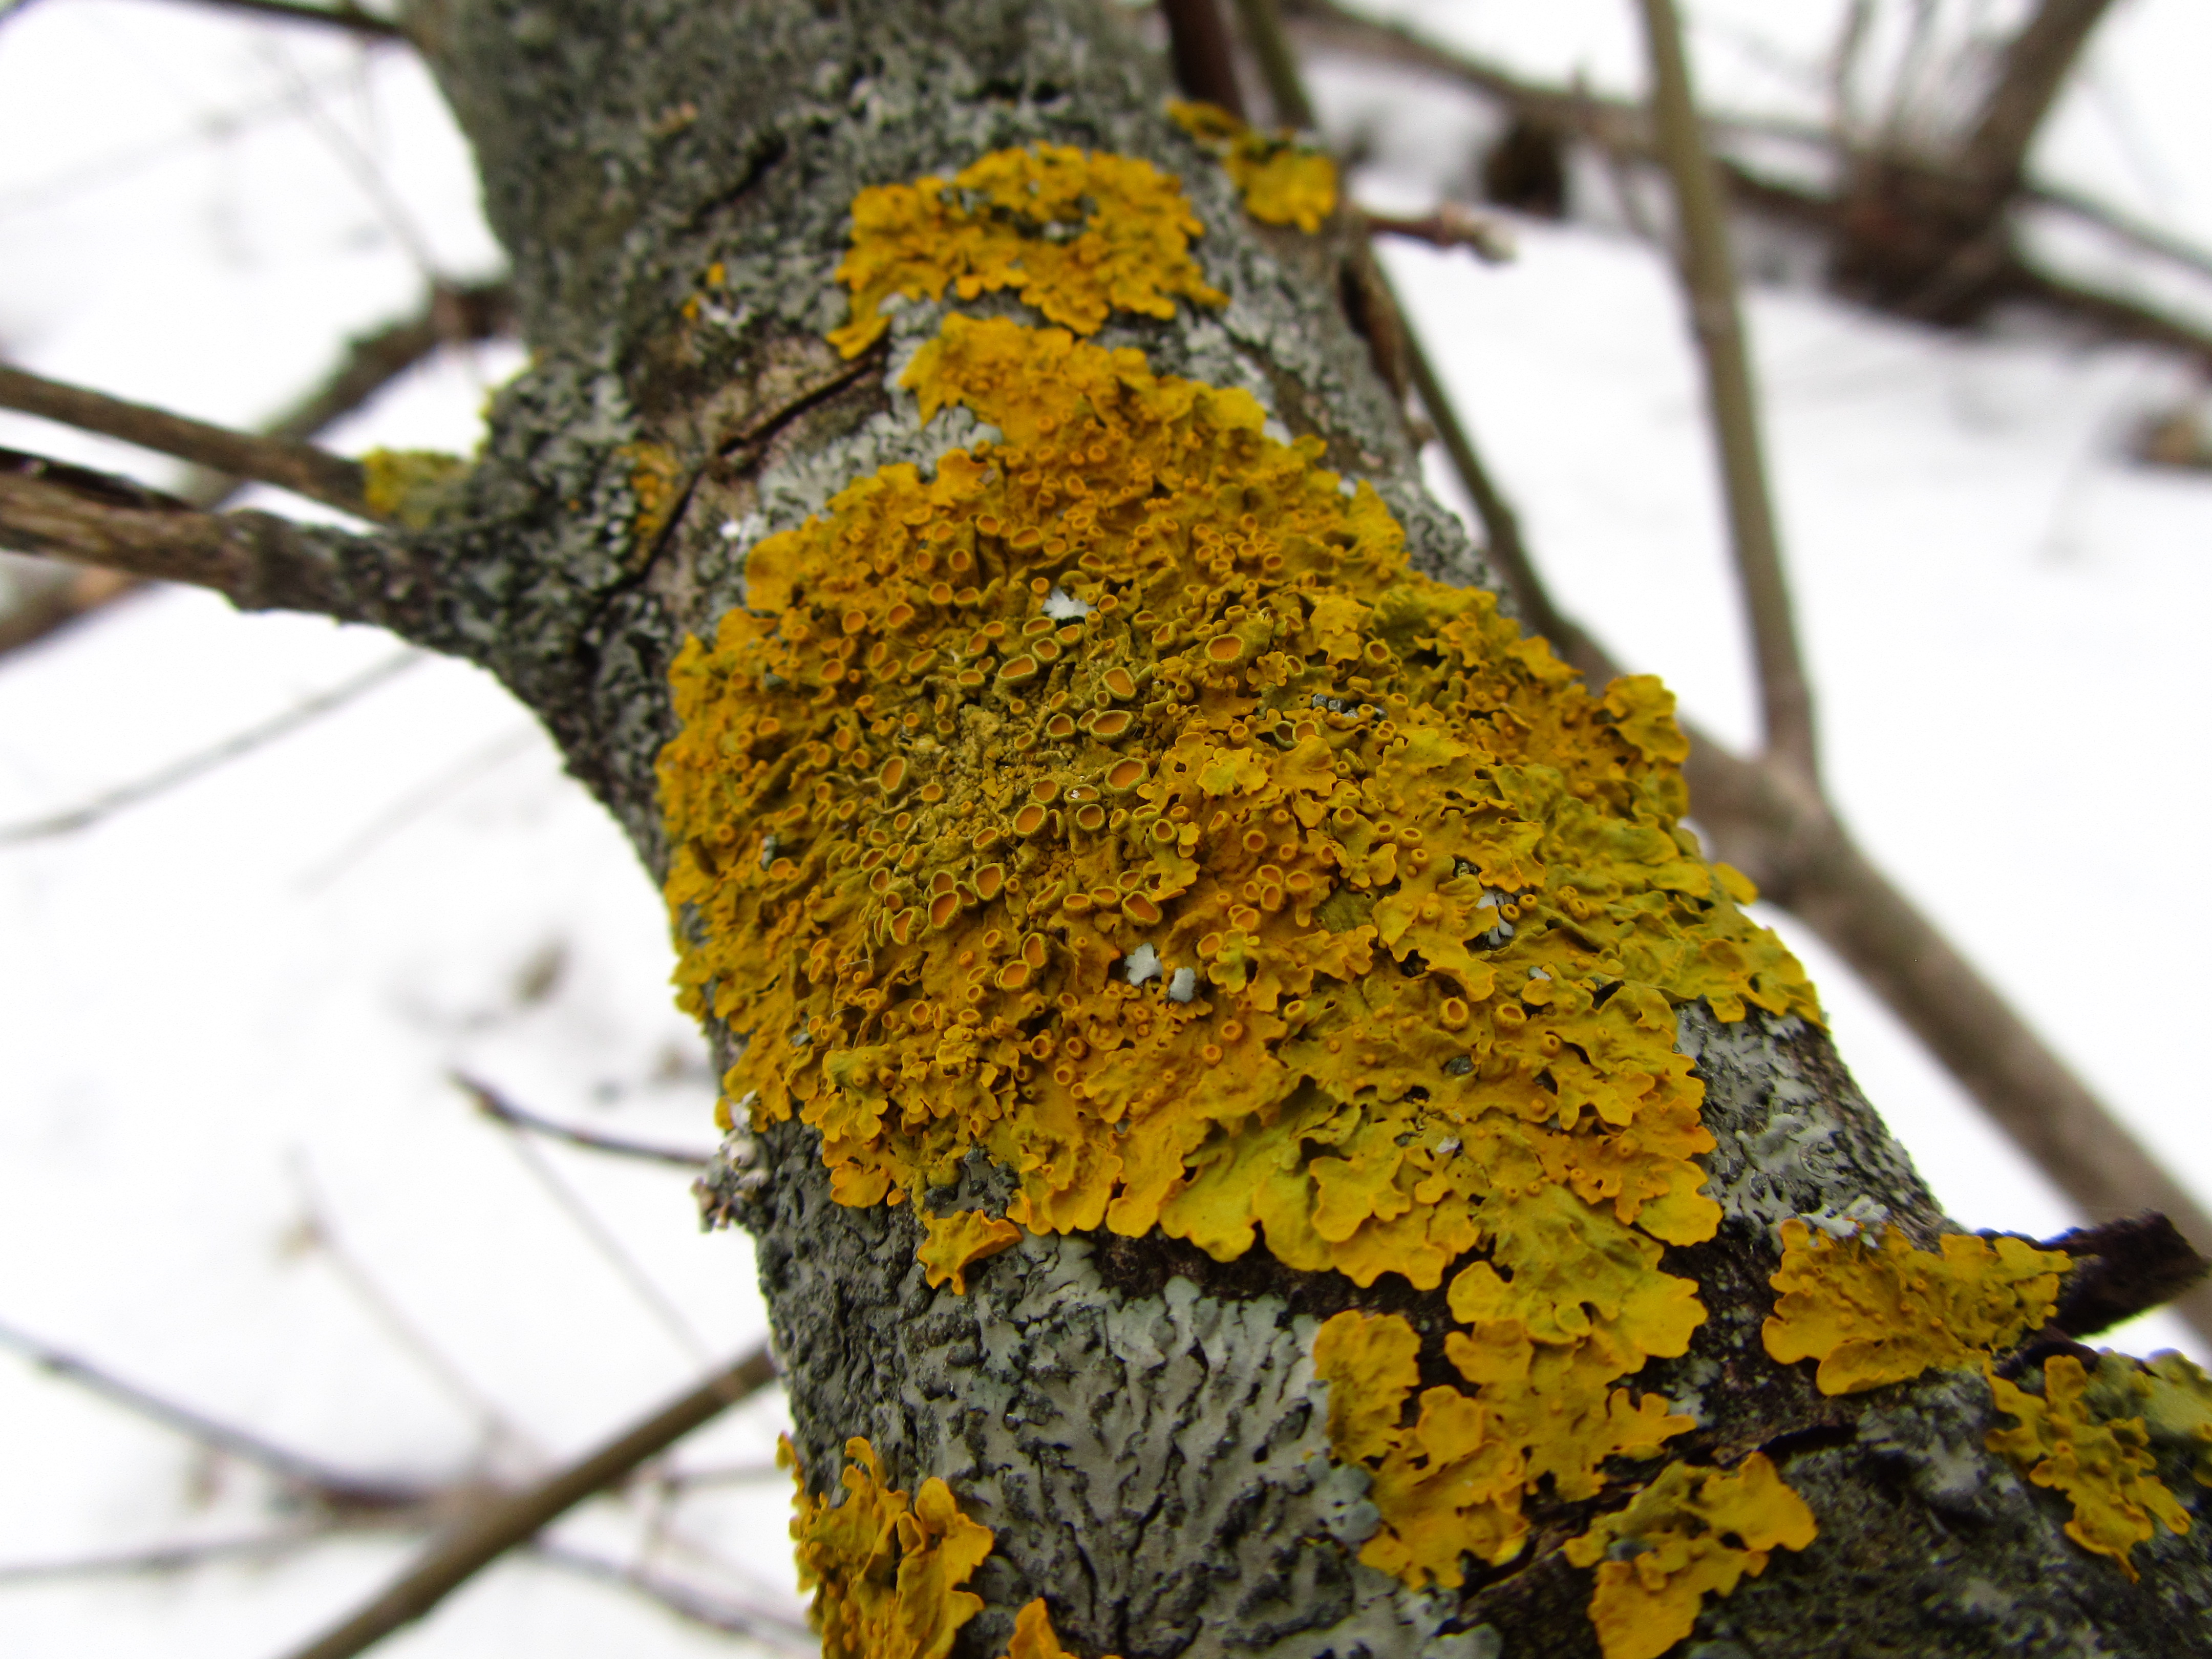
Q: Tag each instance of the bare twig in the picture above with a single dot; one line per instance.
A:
(300, 467)
(352, 19)
(494, 1105)
(1279, 65)
(1204, 55)
(472, 766)
(44, 596)
(168, 1558)
(1709, 273)
(256, 560)
(1450, 225)
(503, 1525)
(193, 766)
(681, 1599)
(2037, 62)
(340, 1488)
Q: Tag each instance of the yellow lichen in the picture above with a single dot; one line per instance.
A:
(1282, 181)
(1690, 1533)
(1034, 1637)
(1875, 1314)
(410, 487)
(886, 1574)
(1076, 235)
(656, 478)
(2102, 1464)
(957, 1241)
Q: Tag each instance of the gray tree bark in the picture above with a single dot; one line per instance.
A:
(1139, 1424)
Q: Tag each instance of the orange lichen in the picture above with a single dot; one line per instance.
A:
(1034, 1637)
(1690, 1532)
(1282, 181)
(1075, 233)
(2102, 1464)
(958, 1241)
(886, 1574)
(656, 478)
(1875, 1314)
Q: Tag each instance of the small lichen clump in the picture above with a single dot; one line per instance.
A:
(887, 1573)
(1876, 1314)
(2075, 1439)
(1282, 181)
(410, 488)
(1691, 1533)
(1075, 233)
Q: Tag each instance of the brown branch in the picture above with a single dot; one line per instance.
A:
(2120, 1269)
(207, 760)
(300, 467)
(1450, 225)
(2037, 62)
(337, 1488)
(44, 598)
(1204, 57)
(497, 1107)
(256, 560)
(352, 19)
(1279, 64)
(1709, 275)
(502, 1526)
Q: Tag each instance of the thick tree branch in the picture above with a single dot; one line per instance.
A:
(257, 561)
(302, 468)
(503, 1525)
(1709, 275)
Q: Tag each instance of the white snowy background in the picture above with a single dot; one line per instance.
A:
(234, 1167)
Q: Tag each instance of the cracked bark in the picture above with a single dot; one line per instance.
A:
(1137, 1422)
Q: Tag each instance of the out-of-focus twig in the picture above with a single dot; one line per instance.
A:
(168, 1558)
(1279, 64)
(1203, 54)
(305, 1475)
(352, 19)
(1449, 225)
(508, 1522)
(1709, 275)
(496, 1106)
(686, 1603)
(181, 772)
(315, 473)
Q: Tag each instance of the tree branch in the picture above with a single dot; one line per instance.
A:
(502, 1526)
(497, 1107)
(300, 467)
(1709, 274)
(1449, 225)
(1204, 55)
(2037, 62)
(350, 18)
(1279, 64)
(684, 1602)
(256, 560)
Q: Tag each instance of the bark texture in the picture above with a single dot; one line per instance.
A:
(1139, 1423)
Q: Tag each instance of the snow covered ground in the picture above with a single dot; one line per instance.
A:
(234, 1166)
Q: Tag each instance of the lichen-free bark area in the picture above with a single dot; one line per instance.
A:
(1139, 1424)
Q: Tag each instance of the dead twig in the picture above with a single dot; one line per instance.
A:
(181, 772)
(352, 19)
(1709, 275)
(686, 1603)
(305, 1476)
(300, 467)
(1279, 65)
(1449, 225)
(501, 1526)
(496, 1106)
(168, 1558)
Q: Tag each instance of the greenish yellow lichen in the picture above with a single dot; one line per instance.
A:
(1282, 181)
(656, 479)
(1875, 1314)
(887, 1573)
(2102, 1463)
(1690, 1533)
(2177, 1406)
(411, 488)
(1075, 233)
(957, 1241)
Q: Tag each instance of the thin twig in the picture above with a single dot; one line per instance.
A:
(681, 1599)
(503, 1525)
(1204, 58)
(470, 766)
(340, 1488)
(1709, 275)
(168, 1558)
(181, 772)
(1449, 225)
(609, 1249)
(496, 1106)
(1279, 64)
(351, 19)
(256, 560)
(300, 467)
